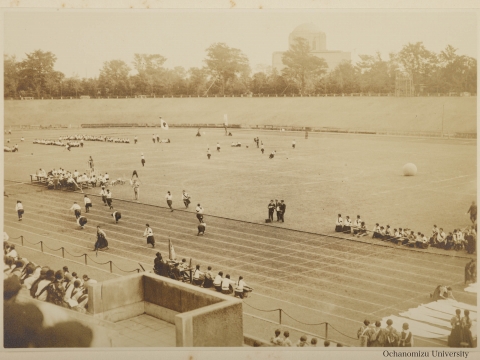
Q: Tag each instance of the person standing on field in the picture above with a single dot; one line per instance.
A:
(186, 199)
(109, 199)
(169, 198)
(148, 233)
(199, 211)
(88, 203)
(473, 212)
(20, 211)
(283, 208)
(209, 153)
(143, 160)
(271, 209)
(262, 147)
(103, 194)
(76, 209)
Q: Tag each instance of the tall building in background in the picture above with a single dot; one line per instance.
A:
(318, 44)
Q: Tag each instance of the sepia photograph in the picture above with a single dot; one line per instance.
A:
(230, 178)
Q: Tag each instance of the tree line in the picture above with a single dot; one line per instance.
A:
(227, 72)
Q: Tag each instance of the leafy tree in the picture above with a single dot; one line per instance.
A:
(344, 78)
(11, 76)
(197, 81)
(225, 64)
(302, 68)
(374, 74)
(114, 77)
(35, 70)
(53, 81)
(419, 62)
(150, 71)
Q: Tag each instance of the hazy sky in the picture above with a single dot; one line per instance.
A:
(83, 40)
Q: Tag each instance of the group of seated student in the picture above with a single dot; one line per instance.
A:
(456, 240)
(357, 228)
(45, 284)
(371, 334)
(181, 271)
(279, 340)
(118, 140)
(49, 142)
(83, 137)
(59, 179)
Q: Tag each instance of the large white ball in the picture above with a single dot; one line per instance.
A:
(409, 169)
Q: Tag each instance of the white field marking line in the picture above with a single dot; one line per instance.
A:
(311, 237)
(288, 264)
(330, 242)
(326, 244)
(213, 263)
(284, 271)
(69, 243)
(344, 260)
(74, 261)
(362, 256)
(22, 183)
(324, 291)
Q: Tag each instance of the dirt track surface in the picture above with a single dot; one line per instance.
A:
(313, 278)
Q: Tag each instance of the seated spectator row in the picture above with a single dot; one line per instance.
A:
(457, 240)
(182, 271)
(45, 284)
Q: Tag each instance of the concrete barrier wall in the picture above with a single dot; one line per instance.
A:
(459, 114)
(201, 317)
(117, 299)
(176, 296)
(218, 325)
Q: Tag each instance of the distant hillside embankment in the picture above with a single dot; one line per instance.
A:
(415, 114)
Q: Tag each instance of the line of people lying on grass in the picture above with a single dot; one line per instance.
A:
(456, 240)
(278, 340)
(58, 179)
(57, 287)
(58, 143)
(95, 138)
(181, 271)
(10, 149)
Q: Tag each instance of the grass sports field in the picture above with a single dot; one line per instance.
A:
(313, 277)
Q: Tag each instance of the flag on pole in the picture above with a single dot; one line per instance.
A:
(225, 119)
(171, 251)
(163, 124)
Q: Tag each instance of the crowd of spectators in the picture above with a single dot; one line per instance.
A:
(60, 287)
(457, 239)
(279, 340)
(183, 271)
(373, 335)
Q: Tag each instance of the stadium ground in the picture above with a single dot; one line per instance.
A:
(313, 278)
(325, 175)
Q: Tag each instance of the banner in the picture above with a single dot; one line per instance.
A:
(163, 124)
(171, 251)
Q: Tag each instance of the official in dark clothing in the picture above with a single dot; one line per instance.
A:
(283, 208)
(271, 209)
